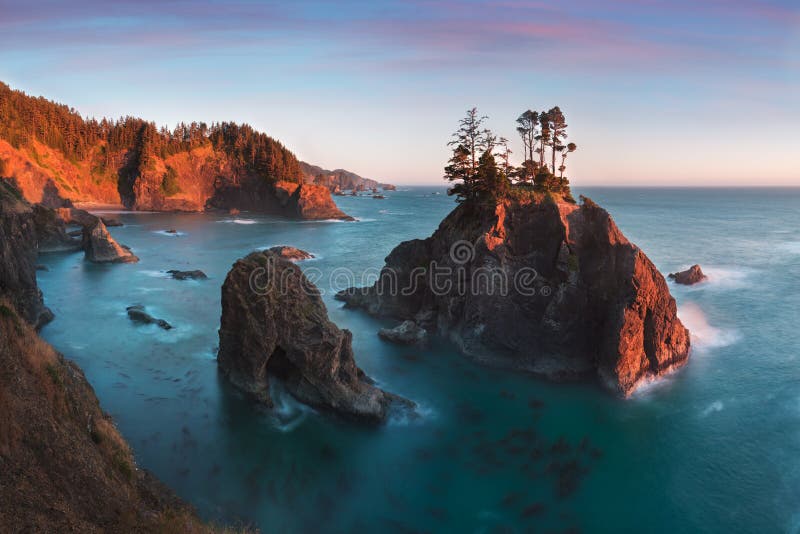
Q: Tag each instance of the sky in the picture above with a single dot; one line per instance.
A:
(655, 92)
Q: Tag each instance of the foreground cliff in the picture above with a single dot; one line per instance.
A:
(538, 285)
(275, 327)
(64, 467)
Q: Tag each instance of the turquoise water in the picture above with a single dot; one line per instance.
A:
(715, 447)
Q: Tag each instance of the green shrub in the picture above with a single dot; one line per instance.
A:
(54, 374)
(169, 183)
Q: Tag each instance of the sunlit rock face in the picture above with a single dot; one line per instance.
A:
(542, 286)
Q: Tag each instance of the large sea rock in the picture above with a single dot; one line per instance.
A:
(275, 327)
(538, 285)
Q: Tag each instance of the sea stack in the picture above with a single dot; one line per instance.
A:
(100, 247)
(275, 327)
(537, 284)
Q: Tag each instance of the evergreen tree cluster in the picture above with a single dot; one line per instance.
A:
(24, 119)
(480, 165)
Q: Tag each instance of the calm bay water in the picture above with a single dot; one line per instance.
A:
(715, 447)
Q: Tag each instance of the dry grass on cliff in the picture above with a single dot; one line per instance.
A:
(65, 467)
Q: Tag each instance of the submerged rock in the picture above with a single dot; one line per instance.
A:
(407, 333)
(690, 276)
(187, 275)
(100, 247)
(275, 325)
(291, 253)
(538, 285)
(137, 314)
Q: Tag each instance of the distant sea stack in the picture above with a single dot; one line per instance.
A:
(275, 327)
(56, 158)
(540, 285)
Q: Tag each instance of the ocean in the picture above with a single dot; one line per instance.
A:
(711, 448)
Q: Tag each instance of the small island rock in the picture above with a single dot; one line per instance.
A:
(187, 275)
(137, 314)
(692, 275)
(291, 253)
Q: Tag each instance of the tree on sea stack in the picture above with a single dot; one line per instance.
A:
(480, 164)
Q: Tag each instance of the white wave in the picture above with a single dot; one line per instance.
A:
(324, 221)
(156, 274)
(727, 277)
(239, 221)
(402, 416)
(287, 413)
(792, 247)
(169, 234)
(704, 336)
(716, 406)
(149, 289)
(719, 278)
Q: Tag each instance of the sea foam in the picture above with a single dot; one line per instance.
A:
(704, 336)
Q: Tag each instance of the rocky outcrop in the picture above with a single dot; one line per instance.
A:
(51, 233)
(187, 275)
(18, 251)
(285, 199)
(406, 333)
(100, 247)
(291, 253)
(537, 285)
(310, 201)
(137, 314)
(275, 327)
(77, 216)
(692, 275)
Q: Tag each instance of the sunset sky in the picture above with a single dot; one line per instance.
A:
(681, 92)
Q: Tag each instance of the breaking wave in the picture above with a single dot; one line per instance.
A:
(705, 336)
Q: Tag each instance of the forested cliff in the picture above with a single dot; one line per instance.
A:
(55, 156)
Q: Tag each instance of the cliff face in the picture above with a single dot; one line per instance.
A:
(64, 466)
(286, 199)
(189, 181)
(275, 327)
(550, 288)
(18, 257)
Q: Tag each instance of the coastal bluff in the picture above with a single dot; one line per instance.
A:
(540, 285)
